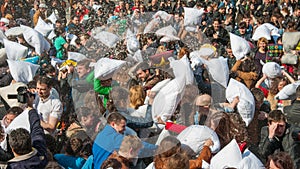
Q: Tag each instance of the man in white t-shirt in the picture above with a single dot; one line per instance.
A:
(48, 104)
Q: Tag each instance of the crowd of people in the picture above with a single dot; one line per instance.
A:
(99, 84)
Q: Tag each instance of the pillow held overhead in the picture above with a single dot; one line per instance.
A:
(290, 40)
(105, 68)
(22, 71)
(43, 28)
(262, 31)
(14, 50)
(192, 16)
(272, 69)
(240, 47)
(107, 38)
(246, 105)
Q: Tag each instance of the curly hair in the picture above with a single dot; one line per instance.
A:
(228, 127)
(168, 152)
(274, 85)
(137, 96)
(281, 160)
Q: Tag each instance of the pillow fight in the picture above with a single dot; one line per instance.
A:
(155, 84)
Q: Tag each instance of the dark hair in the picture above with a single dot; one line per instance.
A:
(79, 144)
(282, 160)
(274, 85)
(49, 69)
(228, 127)
(242, 25)
(31, 84)
(276, 116)
(15, 110)
(44, 80)
(59, 31)
(143, 66)
(111, 163)
(20, 141)
(115, 117)
(258, 94)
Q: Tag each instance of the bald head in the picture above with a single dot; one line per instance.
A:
(203, 100)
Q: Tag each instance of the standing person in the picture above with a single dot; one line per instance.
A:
(261, 54)
(48, 104)
(41, 12)
(60, 43)
(34, 9)
(279, 136)
(78, 82)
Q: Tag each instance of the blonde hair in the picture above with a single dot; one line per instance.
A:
(262, 39)
(137, 96)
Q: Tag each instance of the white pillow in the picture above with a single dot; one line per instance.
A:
(160, 85)
(240, 47)
(21, 121)
(290, 40)
(167, 99)
(207, 51)
(22, 71)
(163, 15)
(105, 68)
(76, 56)
(168, 32)
(288, 92)
(52, 18)
(35, 39)
(250, 161)
(2, 36)
(14, 50)
(43, 27)
(192, 16)
(274, 30)
(189, 72)
(132, 44)
(138, 56)
(272, 69)
(218, 69)
(195, 136)
(262, 31)
(3, 56)
(246, 105)
(229, 156)
(14, 31)
(150, 27)
(107, 38)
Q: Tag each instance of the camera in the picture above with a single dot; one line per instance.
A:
(22, 96)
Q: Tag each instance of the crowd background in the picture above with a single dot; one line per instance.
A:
(118, 80)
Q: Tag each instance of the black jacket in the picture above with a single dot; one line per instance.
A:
(37, 158)
(292, 113)
(287, 143)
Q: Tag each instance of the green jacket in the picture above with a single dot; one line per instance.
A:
(103, 91)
